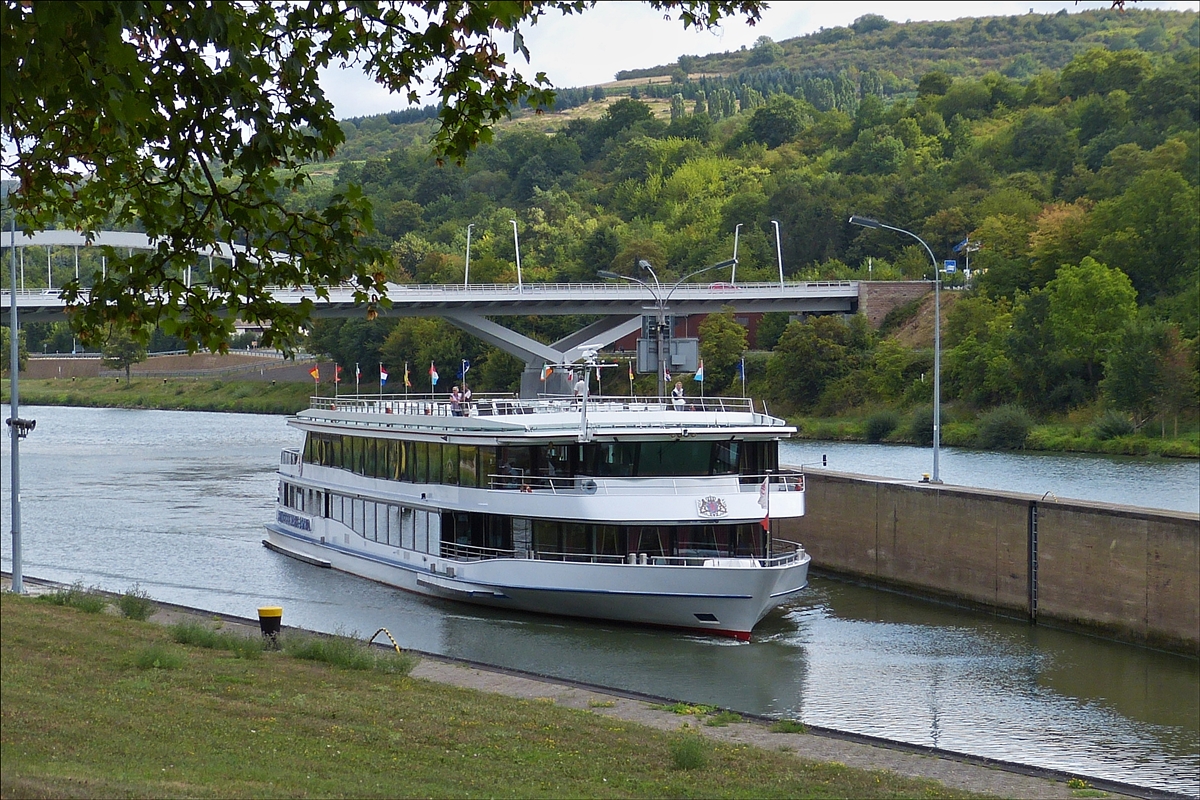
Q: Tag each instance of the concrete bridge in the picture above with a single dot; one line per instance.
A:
(620, 306)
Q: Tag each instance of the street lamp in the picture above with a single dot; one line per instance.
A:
(517, 247)
(867, 222)
(467, 270)
(733, 277)
(660, 301)
(18, 428)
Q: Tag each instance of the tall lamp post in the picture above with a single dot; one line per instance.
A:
(660, 301)
(467, 268)
(18, 428)
(867, 222)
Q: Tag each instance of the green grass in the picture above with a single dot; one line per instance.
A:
(159, 656)
(177, 394)
(347, 653)
(200, 635)
(80, 718)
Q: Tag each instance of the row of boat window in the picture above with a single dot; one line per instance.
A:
(490, 466)
(437, 532)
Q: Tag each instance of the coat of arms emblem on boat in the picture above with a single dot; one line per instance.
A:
(711, 507)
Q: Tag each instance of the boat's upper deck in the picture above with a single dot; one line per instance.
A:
(546, 417)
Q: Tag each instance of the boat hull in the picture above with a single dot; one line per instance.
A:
(718, 596)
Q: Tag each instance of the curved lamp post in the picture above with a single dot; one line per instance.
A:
(467, 269)
(867, 222)
(660, 300)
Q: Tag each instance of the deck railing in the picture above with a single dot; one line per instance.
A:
(782, 553)
(507, 405)
(782, 481)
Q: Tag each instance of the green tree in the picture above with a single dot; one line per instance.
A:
(121, 351)
(6, 349)
(1089, 305)
(722, 343)
(1148, 372)
(777, 122)
(196, 122)
(809, 356)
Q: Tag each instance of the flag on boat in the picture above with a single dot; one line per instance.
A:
(382, 375)
(433, 376)
(337, 374)
(764, 500)
(357, 374)
(316, 373)
(464, 369)
(700, 372)
(407, 379)
(666, 372)
(631, 370)
(742, 369)
(547, 371)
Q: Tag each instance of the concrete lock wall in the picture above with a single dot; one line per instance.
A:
(1128, 572)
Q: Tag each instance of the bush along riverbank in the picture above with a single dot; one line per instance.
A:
(1006, 428)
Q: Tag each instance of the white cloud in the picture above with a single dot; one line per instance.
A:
(590, 48)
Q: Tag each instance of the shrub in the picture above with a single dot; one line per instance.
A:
(920, 427)
(75, 596)
(880, 424)
(1004, 428)
(136, 604)
(688, 752)
(1112, 425)
(723, 718)
(158, 657)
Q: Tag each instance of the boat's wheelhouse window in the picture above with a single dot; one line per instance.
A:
(555, 461)
(421, 462)
(725, 457)
(662, 459)
(435, 462)
(611, 459)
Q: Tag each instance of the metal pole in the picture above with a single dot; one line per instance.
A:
(517, 246)
(778, 252)
(18, 585)
(867, 222)
(736, 230)
(467, 271)
(49, 276)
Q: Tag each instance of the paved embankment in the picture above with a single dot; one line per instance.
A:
(1132, 573)
(953, 770)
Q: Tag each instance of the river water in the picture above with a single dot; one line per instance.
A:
(175, 501)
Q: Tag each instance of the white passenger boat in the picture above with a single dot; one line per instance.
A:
(609, 508)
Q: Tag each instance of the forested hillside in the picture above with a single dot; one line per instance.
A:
(1065, 146)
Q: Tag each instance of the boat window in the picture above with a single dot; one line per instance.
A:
(408, 452)
(522, 534)
(661, 459)
(370, 461)
(608, 540)
(468, 468)
(545, 536)
(450, 464)
(435, 462)
(369, 528)
(725, 458)
(421, 462)
(650, 539)
(487, 465)
(702, 540)
(557, 462)
(611, 459)
(407, 526)
(516, 461)
(575, 538)
(335, 452)
(435, 533)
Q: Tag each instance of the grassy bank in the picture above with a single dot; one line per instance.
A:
(175, 394)
(97, 705)
(1065, 437)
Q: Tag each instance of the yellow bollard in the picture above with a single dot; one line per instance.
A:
(270, 620)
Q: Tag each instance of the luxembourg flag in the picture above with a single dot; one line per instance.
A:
(433, 376)
(382, 375)
(699, 376)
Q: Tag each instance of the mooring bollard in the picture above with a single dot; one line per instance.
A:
(270, 619)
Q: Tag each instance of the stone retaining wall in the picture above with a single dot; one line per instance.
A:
(1133, 573)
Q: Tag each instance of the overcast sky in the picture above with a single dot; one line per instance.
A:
(587, 49)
